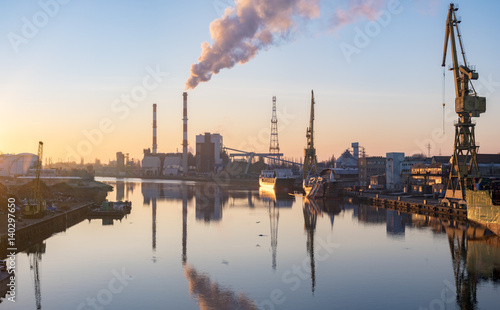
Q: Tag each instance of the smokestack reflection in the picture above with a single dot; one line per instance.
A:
(210, 295)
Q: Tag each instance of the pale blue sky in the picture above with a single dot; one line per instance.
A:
(388, 97)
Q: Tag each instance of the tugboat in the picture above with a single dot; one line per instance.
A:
(281, 180)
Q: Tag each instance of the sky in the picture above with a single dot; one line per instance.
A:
(82, 76)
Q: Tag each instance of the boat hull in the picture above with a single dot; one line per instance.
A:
(330, 190)
(278, 184)
(480, 209)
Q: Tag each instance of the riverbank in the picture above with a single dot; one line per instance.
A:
(32, 231)
(67, 204)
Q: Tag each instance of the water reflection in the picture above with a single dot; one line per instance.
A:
(209, 203)
(274, 203)
(311, 211)
(396, 223)
(35, 257)
(123, 189)
(211, 200)
(474, 257)
(209, 294)
(120, 190)
(332, 207)
(212, 296)
(153, 228)
(184, 225)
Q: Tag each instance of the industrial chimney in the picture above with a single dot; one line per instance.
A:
(155, 146)
(185, 139)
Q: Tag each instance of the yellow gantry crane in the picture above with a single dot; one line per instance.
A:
(36, 206)
(464, 168)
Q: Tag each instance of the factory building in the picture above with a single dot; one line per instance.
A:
(393, 170)
(432, 178)
(161, 164)
(16, 165)
(151, 164)
(120, 161)
(406, 168)
(489, 165)
(370, 166)
(429, 178)
(346, 160)
(208, 152)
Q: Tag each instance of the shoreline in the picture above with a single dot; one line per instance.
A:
(33, 231)
(249, 183)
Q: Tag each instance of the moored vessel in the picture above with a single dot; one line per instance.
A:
(281, 180)
(324, 185)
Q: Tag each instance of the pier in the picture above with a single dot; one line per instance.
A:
(406, 203)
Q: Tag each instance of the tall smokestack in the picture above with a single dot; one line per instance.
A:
(155, 146)
(185, 135)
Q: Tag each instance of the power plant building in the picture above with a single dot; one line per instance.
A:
(156, 164)
(161, 164)
(208, 152)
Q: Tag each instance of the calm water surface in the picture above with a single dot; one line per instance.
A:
(197, 246)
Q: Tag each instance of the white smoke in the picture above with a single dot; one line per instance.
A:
(369, 9)
(241, 32)
(253, 25)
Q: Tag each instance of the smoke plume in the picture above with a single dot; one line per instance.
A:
(369, 9)
(241, 32)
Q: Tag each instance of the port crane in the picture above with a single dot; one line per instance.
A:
(36, 206)
(464, 168)
(310, 160)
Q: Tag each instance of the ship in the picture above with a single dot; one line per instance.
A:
(324, 185)
(281, 180)
(483, 204)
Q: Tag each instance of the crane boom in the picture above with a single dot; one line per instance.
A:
(450, 21)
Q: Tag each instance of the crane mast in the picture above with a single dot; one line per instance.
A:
(36, 206)
(310, 160)
(464, 167)
(38, 194)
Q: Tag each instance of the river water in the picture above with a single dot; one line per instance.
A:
(199, 246)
